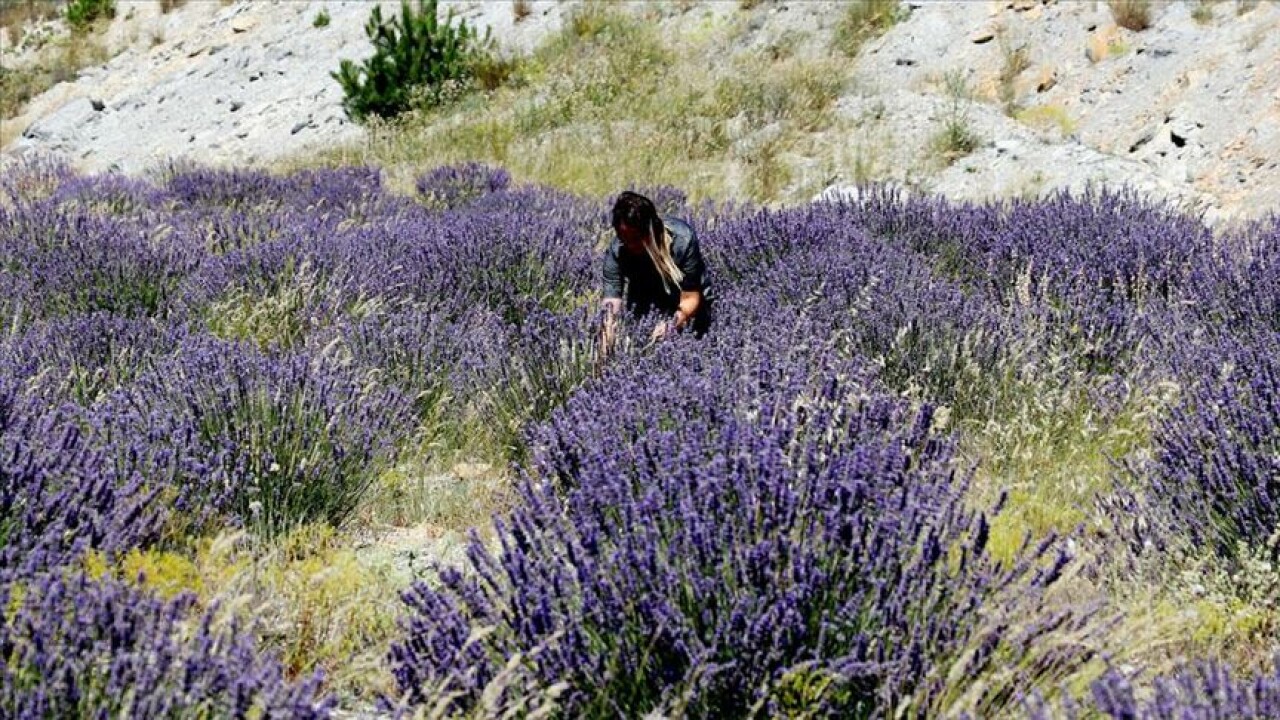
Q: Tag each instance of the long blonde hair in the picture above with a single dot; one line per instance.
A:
(635, 210)
(660, 254)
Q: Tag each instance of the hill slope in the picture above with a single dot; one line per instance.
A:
(1045, 95)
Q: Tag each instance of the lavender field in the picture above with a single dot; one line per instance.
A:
(932, 459)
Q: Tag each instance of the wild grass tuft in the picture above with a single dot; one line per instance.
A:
(57, 62)
(309, 597)
(1203, 12)
(82, 14)
(863, 20)
(1131, 14)
(956, 138)
(1015, 59)
(1047, 117)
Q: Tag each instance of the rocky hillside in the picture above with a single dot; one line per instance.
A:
(1043, 94)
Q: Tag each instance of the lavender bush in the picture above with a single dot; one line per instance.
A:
(1199, 691)
(454, 186)
(724, 539)
(75, 647)
(1216, 470)
(271, 441)
(84, 358)
(771, 520)
(59, 494)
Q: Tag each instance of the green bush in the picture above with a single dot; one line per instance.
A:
(321, 20)
(82, 13)
(418, 60)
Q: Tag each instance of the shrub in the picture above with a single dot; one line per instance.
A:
(82, 13)
(956, 138)
(321, 19)
(1200, 690)
(416, 58)
(82, 262)
(863, 20)
(1217, 455)
(735, 532)
(268, 441)
(84, 358)
(59, 494)
(1131, 14)
(75, 647)
(453, 186)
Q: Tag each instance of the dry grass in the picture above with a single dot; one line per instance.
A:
(592, 111)
(57, 62)
(1015, 59)
(1047, 117)
(521, 9)
(1203, 12)
(1105, 43)
(956, 138)
(864, 20)
(14, 14)
(1131, 14)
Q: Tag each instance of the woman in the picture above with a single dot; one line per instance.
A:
(653, 264)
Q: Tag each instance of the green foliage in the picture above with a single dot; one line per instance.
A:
(956, 138)
(82, 13)
(417, 61)
(322, 19)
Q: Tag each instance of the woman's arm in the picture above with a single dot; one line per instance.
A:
(690, 304)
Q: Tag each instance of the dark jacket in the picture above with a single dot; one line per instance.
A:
(634, 279)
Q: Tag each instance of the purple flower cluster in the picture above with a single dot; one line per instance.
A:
(1201, 691)
(1206, 691)
(1216, 471)
(270, 441)
(75, 647)
(60, 494)
(716, 523)
(454, 186)
(770, 519)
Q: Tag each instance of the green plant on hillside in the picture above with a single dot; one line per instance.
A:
(321, 20)
(1203, 12)
(863, 20)
(82, 13)
(417, 61)
(956, 138)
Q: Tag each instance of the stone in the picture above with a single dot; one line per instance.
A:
(243, 23)
(1048, 79)
(983, 36)
(1007, 147)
